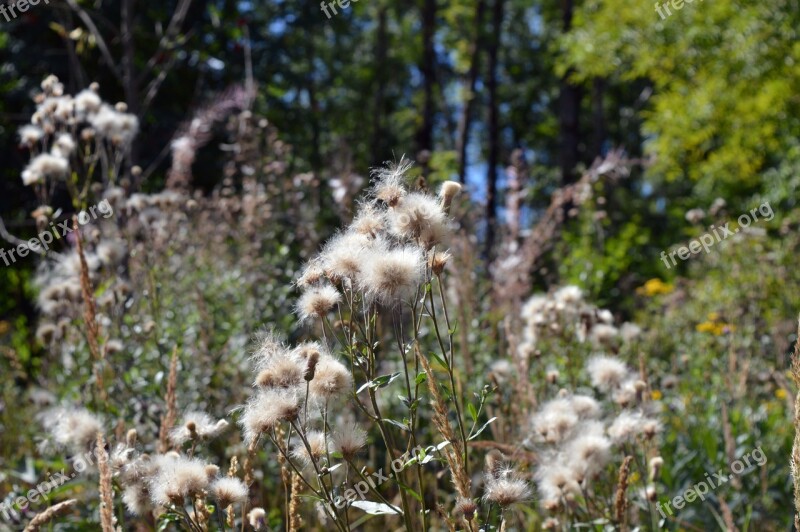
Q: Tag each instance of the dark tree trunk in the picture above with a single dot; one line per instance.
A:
(465, 119)
(428, 69)
(378, 141)
(569, 111)
(494, 126)
(598, 116)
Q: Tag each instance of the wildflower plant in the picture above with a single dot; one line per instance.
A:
(375, 295)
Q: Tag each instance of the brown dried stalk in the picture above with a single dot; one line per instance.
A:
(230, 512)
(453, 452)
(727, 515)
(295, 515)
(730, 444)
(48, 515)
(620, 499)
(168, 420)
(90, 315)
(106, 489)
(795, 460)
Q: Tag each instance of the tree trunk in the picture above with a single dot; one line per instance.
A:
(569, 109)
(494, 126)
(465, 119)
(598, 116)
(378, 140)
(428, 69)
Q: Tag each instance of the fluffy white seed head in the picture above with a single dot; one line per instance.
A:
(316, 443)
(506, 491)
(45, 166)
(317, 302)
(585, 407)
(589, 454)
(331, 379)
(368, 222)
(342, 256)
(349, 440)
(554, 422)
(626, 426)
(419, 217)
(606, 373)
(390, 276)
(177, 477)
(63, 146)
(284, 372)
(197, 426)
(29, 135)
(268, 409)
(448, 191)
(257, 517)
(390, 181)
(228, 490)
(266, 346)
(136, 498)
(75, 428)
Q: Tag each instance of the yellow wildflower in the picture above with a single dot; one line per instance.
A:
(654, 287)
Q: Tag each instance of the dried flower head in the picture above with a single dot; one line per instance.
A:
(555, 420)
(448, 191)
(76, 428)
(507, 490)
(342, 256)
(394, 275)
(627, 426)
(267, 345)
(314, 452)
(257, 518)
(331, 379)
(368, 222)
(419, 217)
(606, 373)
(349, 440)
(228, 490)
(267, 409)
(197, 426)
(285, 371)
(136, 498)
(389, 186)
(44, 166)
(317, 302)
(177, 478)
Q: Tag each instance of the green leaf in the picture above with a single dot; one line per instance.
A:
(482, 429)
(397, 424)
(473, 413)
(379, 382)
